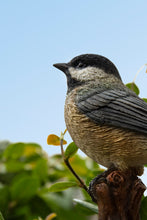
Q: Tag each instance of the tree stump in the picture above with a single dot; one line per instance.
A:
(118, 195)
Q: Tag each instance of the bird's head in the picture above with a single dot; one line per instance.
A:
(86, 68)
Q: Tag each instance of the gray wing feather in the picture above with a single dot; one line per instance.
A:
(117, 108)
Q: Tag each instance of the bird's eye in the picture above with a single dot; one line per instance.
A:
(80, 65)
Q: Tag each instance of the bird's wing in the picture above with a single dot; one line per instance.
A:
(117, 108)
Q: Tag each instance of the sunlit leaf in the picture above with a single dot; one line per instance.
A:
(14, 151)
(57, 187)
(17, 150)
(51, 216)
(1, 217)
(79, 165)
(87, 206)
(31, 149)
(133, 87)
(70, 150)
(53, 139)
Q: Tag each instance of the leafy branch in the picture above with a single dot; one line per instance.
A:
(69, 152)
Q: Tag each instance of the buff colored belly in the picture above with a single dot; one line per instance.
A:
(106, 145)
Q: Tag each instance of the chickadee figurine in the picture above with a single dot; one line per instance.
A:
(105, 119)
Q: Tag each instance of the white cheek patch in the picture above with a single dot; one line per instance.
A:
(87, 73)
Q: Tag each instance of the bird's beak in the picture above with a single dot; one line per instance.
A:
(61, 66)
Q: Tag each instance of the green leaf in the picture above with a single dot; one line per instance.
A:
(4, 198)
(41, 169)
(62, 206)
(55, 201)
(1, 217)
(87, 206)
(14, 151)
(78, 161)
(70, 150)
(17, 150)
(14, 166)
(3, 146)
(31, 149)
(143, 209)
(24, 187)
(132, 86)
(145, 99)
(57, 187)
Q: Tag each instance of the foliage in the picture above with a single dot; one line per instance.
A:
(133, 87)
(143, 209)
(34, 186)
(53, 139)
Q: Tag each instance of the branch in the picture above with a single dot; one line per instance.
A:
(66, 161)
(118, 195)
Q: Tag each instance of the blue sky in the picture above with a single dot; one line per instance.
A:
(36, 34)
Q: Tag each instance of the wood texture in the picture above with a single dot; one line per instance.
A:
(118, 195)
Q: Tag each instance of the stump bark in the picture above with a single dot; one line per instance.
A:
(118, 195)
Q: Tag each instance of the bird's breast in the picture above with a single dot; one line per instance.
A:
(106, 145)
